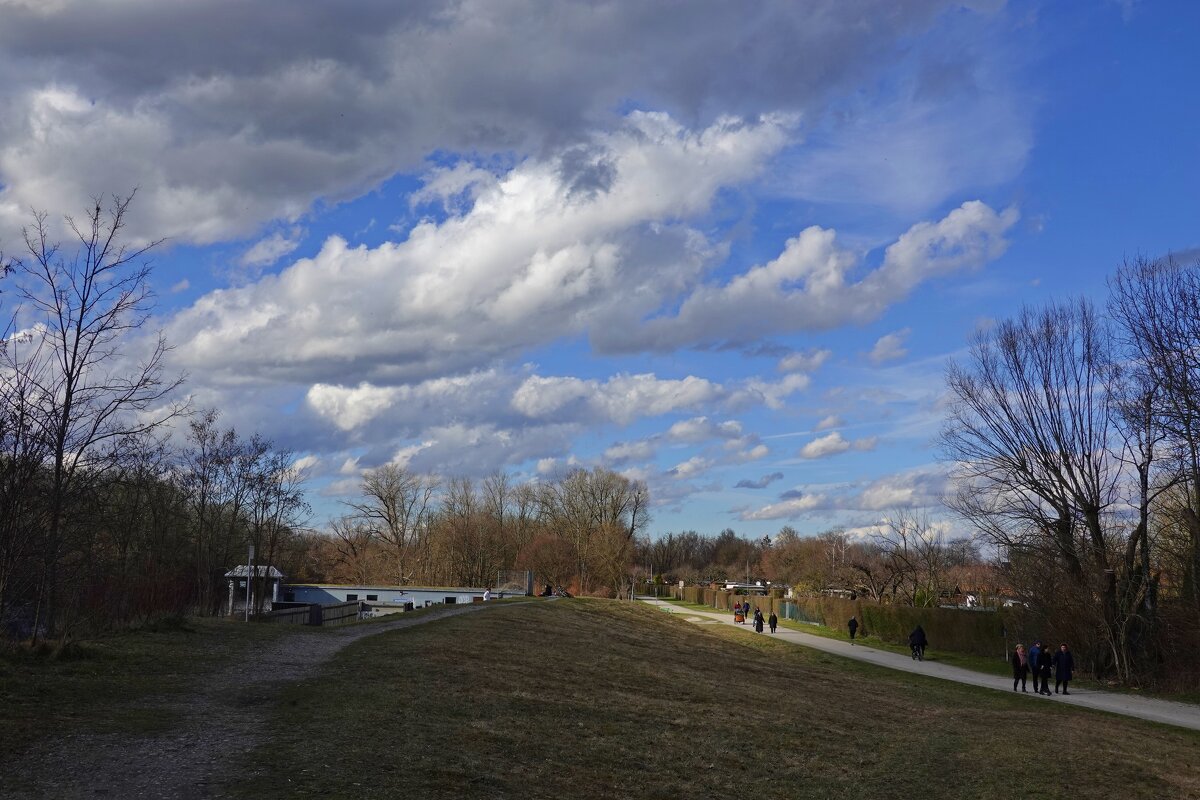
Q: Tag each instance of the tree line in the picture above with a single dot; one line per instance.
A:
(1074, 437)
(102, 519)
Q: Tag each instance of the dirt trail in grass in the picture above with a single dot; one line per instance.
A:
(1147, 708)
(214, 721)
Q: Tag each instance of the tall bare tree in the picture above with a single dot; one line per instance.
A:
(1157, 305)
(87, 302)
(1030, 430)
(394, 505)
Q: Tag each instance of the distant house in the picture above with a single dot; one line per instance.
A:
(745, 588)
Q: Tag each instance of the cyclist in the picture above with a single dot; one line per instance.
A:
(918, 643)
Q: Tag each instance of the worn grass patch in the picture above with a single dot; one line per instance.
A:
(582, 699)
(99, 684)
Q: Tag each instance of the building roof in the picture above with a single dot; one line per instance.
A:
(259, 570)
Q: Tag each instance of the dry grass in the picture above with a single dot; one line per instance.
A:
(583, 699)
(99, 685)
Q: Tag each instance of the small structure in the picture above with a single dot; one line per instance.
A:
(237, 580)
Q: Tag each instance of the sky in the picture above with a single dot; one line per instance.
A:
(725, 249)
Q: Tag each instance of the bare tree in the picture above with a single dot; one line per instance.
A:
(94, 398)
(355, 546)
(1030, 431)
(394, 506)
(1157, 306)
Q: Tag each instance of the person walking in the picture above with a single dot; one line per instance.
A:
(1064, 665)
(758, 620)
(853, 625)
(772, 621)
(1020, 667)
(1045, 661)
(1032, 656)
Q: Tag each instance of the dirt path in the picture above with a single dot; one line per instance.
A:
(225, 716)
(1166, 712)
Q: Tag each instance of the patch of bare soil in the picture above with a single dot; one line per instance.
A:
(216, 720)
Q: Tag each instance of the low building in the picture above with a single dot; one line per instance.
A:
(379, 600)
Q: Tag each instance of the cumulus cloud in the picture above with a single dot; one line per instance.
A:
(831, 421)
(624, 398)
(266, 252)
(759, 483)
(690, 468)
(834, 443)
(805, 361)
(702, 429)
(809, 287)
(624, 452)
(232, 115)
(527, 264)
(890, 347)
(919, 487)
(790, 508)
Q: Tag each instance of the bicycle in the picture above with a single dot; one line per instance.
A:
(918, 652)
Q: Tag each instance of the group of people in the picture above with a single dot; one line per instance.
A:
(742, 611)
(1039, 662)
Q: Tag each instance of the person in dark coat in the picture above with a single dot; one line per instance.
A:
(918, 642)
(1064, 664)
(758, 620)
(853, 625)
(1020, 666)
(772, 621)
(1045, 661)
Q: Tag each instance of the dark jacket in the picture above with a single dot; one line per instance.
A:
(1045, 661)
(1020, 670)
(917, 637)
(853, 624)
(772, 620)
(1063, 665)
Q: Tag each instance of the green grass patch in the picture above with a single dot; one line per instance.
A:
(586, 698)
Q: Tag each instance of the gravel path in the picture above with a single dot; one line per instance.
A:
(225, 716)
(1165, 712)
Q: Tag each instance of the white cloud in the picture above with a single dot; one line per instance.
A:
(807, 361)
(641, 450)
(530, 262)
(831, 421)
(691, 468)
(702, 429)
(621, 399)
(807, 288)
(824, 446)
(231, 116)
(266, 252)
(890, 347)
(786, 509)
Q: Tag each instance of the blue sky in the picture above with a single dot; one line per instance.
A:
(726, 252)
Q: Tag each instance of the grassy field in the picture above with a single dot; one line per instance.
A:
(582, 699)
(96, 685)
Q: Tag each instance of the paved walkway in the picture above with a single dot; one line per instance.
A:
(1163, 711)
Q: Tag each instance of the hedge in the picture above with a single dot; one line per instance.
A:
(961, 630)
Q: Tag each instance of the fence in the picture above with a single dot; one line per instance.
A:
(314, 614)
